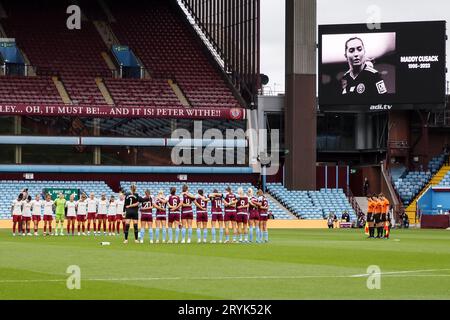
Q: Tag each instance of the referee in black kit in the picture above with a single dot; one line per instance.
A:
(361, 79)
(131, 212)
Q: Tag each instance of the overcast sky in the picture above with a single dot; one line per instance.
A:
(337, 12)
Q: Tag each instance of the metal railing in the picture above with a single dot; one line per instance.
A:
(13, 69)
(351, 198)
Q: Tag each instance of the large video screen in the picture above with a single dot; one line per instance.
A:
(395, 64)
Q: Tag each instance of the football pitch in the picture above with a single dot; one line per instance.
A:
(295, 264)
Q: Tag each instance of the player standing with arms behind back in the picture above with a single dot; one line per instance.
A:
(60, 204)
(263, 217)
(49, 207)
(92, 203)
(16, 210)
(242, 215)
(161, 215)
(216, 215)
(201, 202)
(36, 206)
(112, 211)
(132, 213)
(26, 216)
(71, 214)
(230, 202)
(370, 218)
(102, 214)
(174, 205)
(146, 216)
(384, 214)
(81, 214)
(254, 214)
(187, 214)
(120, 213)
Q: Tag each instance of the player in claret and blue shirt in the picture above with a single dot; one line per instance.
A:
(230, 218)
(242, 215)
(216, 199)
(254, 214)
(263, 217)
(201, 202)
(146, 216)
(161, 215)
(187, 214)
(174, 204)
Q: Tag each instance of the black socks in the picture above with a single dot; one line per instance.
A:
(136, 232)
(125, 231)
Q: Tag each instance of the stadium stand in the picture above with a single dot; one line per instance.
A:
(207, 187)
(411, 183)
(9, 189)
(159, 37)
(28, 90)
(312, 204)
(168, 48)
(435, 163)
(445, 182)
(397, 171)
(141, 92)
(54, 49)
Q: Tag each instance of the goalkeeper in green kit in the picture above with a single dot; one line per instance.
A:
(60, 204)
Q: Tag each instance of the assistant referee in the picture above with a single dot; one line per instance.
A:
(131, 212)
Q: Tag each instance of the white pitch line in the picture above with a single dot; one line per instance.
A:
(409, 273)
(397, 272)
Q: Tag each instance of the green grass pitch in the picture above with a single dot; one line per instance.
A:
(296, 264)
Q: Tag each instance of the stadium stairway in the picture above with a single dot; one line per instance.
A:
(435, 180)
(104, 91)
(61, 90)
(363, 204)
(179, 93)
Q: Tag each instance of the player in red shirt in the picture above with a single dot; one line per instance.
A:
(263, 208)
(187, 214)
(230, 202)
(242, 215)
(161, 215)
(82, 213)
(201, 202)
(16, 211)
(216, 199)
(254, 214)
(174, 204)
(120, 213)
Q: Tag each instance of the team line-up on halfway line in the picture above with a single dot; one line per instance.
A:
(244, 214)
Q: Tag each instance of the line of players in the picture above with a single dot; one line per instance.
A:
(378, 216)
(240, 214)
